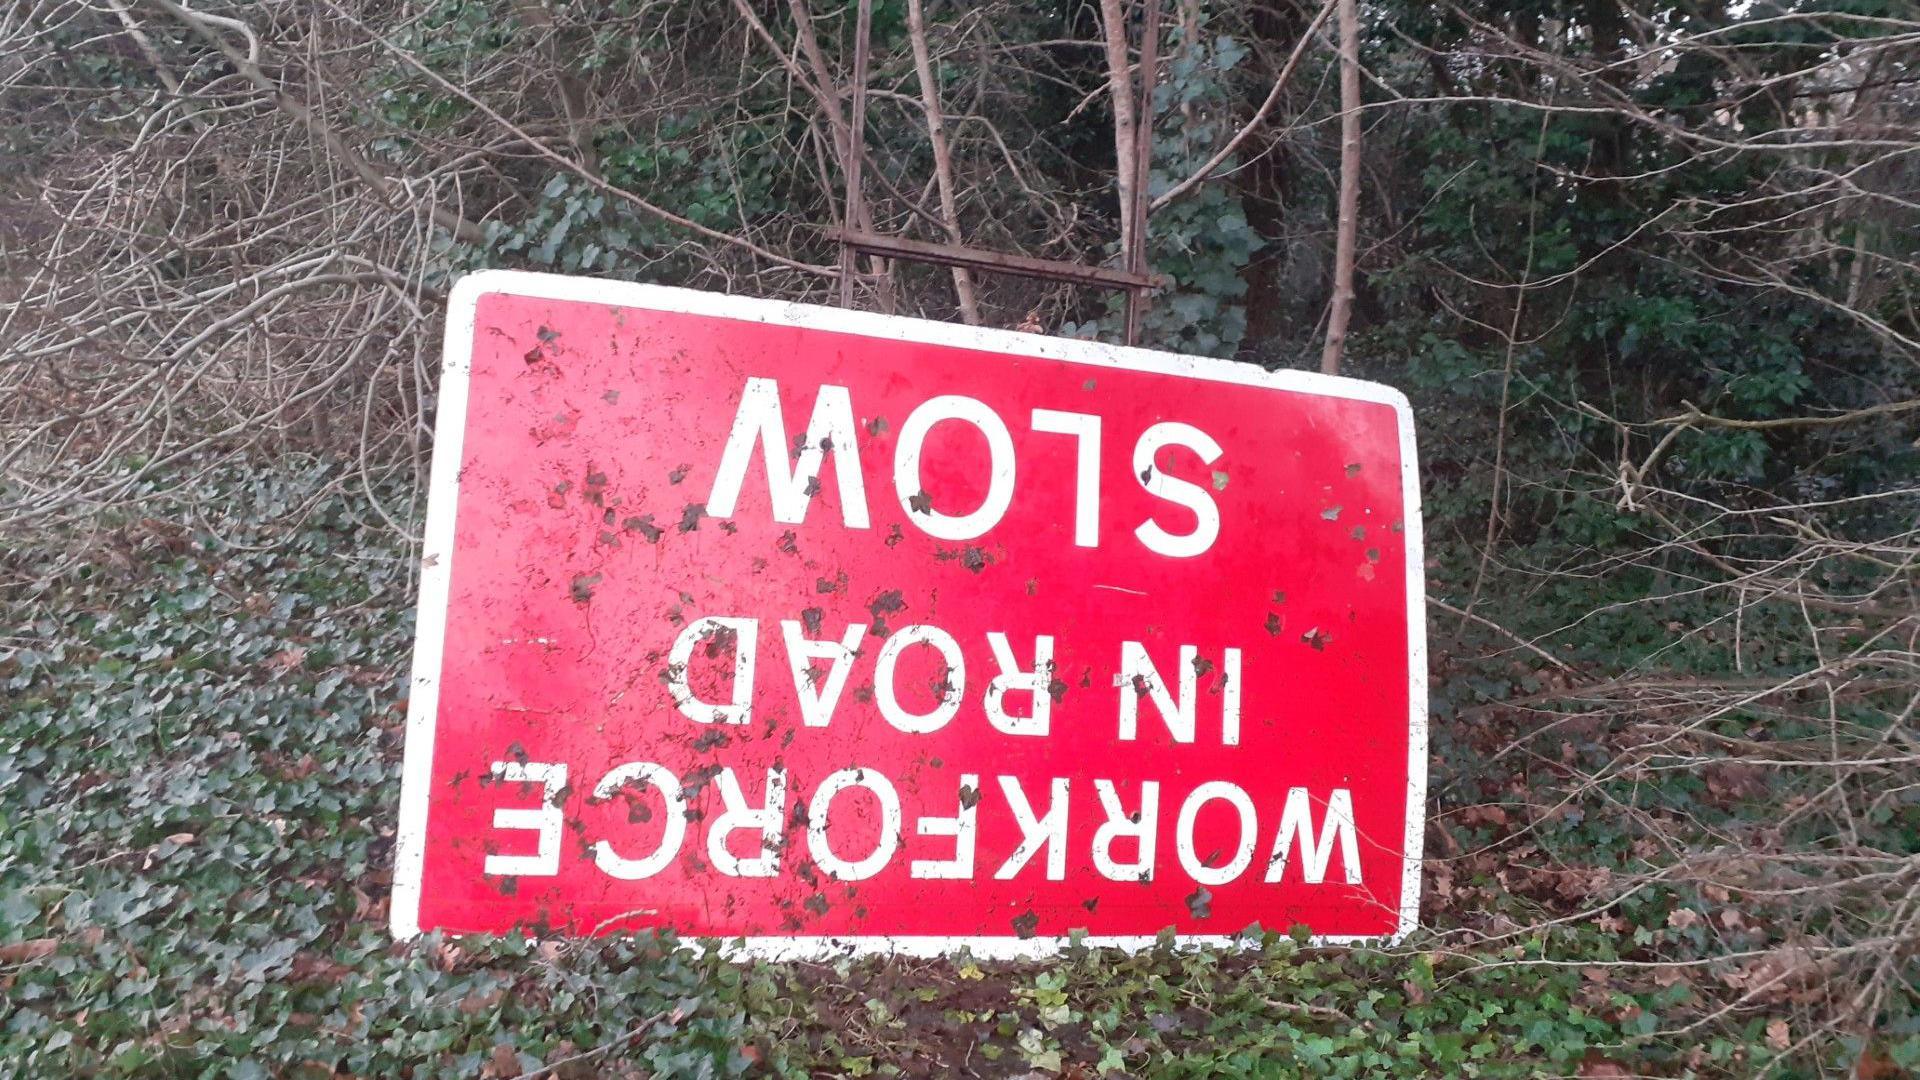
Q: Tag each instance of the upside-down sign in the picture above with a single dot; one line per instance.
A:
(835, 630)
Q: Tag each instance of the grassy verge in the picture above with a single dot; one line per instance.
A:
(199, 748)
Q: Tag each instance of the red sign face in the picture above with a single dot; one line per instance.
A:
(831, 630)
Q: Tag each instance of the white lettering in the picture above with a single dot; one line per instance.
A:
(1011, 677)
(1192, 496)
(1085, 428)
(1230, 698)
(955, 683)
(907, 473)
(1139, 678)
(817, 702)
(1296, 830)
(964, 829)
(545, 819)
(1140, 827)
(888, 842)
(791, 484)
(673, 825)
(739, 710)
(1190, 860)
(1049, 829)
(738, 815)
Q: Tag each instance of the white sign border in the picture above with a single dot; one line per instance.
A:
(436, 575)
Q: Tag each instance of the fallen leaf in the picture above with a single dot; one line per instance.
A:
(1593, 1065)
(22, 952)
(503, 1062)
(1779, 1036)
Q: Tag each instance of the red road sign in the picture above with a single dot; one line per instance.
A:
(836, 630)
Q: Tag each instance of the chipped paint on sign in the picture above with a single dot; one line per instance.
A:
(836, 631)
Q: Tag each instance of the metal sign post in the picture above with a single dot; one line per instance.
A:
(1136, 279)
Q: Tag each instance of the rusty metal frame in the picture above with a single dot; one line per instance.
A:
(1137, 277)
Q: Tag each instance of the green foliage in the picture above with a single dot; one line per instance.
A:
(198, 776)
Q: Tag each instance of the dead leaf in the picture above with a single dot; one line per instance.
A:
(503, 1062)
(1593, 1065)
(25, 952)
(1779, 1036)
(1682, 919)
(477, 1002)
(1874, 1064)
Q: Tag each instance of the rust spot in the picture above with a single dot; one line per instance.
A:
(611, 397)
(1317, 638)
(1091, 903)
(969, 797)
(690, 517)
(1200, 902)
(644, 526)
(817, 903)
(678, 474)
(877, 426)
(582, 588)
(789, 543)
(1025, 925)
(547, 334)
(722, 641)
(1033, 586)
(1331, 513)
(822, 585)
(972, 557)
(920, 503)
(895, 535)
(1373, 554)
(811, 619)
(1353, 469)
(1359, 532)
(1201, 665)
(1274, 623)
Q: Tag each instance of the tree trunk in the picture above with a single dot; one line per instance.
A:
(942, 155)
(1349, 212)
(1113, 18)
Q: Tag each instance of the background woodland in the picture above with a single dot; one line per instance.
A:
(1649, 271)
